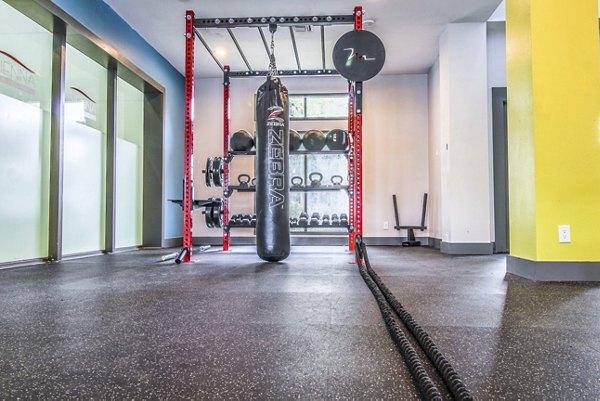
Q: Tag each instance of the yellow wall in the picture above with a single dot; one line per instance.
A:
(554, 119)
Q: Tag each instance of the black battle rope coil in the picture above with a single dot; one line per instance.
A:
(426, 386)
(444, 368)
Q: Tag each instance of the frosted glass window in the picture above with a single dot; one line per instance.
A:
(84, 179)
(129, 183)
(25, 95)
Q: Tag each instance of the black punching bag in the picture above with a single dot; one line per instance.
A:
(272, 160)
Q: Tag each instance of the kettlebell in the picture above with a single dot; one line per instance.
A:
(297, 181)
(315, 179)
(337, 180)
(325, 220)
(253, 182)
(244, 183)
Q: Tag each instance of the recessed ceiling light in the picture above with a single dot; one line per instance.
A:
(220, 52)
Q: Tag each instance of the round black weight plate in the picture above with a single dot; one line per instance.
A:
(337, 139)
(218, 170)
(241, 141)
(295, 140)
(314, 140)
(217, 217)
(208, 217)
(359, 55)
(208, 172)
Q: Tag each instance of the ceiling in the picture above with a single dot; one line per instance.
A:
(408, 28)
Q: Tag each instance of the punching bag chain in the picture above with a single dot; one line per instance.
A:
(272, 64)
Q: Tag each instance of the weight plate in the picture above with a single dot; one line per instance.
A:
(217, 171)
(207, 217)
(359, 55)
(208, 172)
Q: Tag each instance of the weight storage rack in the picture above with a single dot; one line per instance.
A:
(355, 112)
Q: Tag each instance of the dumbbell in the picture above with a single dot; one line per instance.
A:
(303, 219)
(293, 222)
(297, 181)
(315, 179)
(335, 220)
(325, 220)
(344, 219)
(233, 220)
(244, 180)
(253, 220)
(314, 219)
(246, 220)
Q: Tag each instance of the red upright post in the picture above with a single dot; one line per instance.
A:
(226, 117)
(189, 137)
(357, 142)
(351, 176)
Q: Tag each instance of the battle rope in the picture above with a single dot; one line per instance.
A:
(416, 368)
(444, 368)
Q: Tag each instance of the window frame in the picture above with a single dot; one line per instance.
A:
(318, 95)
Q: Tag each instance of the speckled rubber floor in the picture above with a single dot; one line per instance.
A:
(231, 327)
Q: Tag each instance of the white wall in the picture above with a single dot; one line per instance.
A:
(435, 149)
(461, 192)
(395, 149)
(496, 61)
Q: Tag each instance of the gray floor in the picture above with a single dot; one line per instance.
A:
(229, 326)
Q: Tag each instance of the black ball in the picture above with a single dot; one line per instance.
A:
(241, 141)
(314, 140)
(337, 139)
(295, 140)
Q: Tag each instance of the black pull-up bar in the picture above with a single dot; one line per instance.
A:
(271, 23)
(227, 22)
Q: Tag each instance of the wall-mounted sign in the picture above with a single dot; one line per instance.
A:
(14, 73)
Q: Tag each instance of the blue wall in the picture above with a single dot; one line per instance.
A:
(99, 18)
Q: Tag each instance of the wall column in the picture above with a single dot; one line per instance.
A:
(465, 162)
(553, 65)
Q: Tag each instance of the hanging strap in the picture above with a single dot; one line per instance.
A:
(272, 63)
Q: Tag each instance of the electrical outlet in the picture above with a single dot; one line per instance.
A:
(564, 233)
(386, 225)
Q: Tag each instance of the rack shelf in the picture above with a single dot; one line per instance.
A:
(323, 188)
(294, 152)
(341, 226)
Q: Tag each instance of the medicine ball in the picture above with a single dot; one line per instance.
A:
(314, 140)
(337, 139)
(241, 141)
(295, 140)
